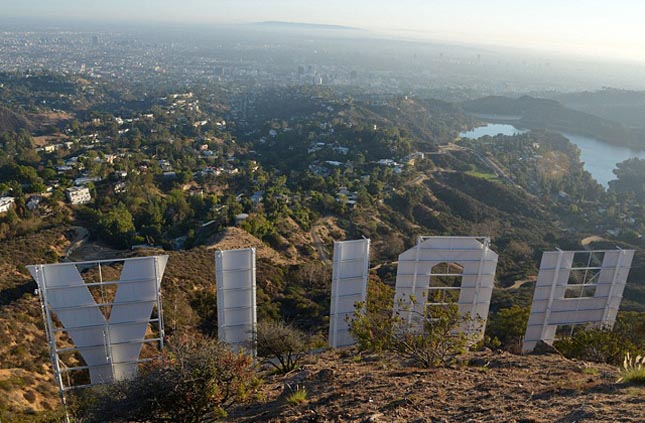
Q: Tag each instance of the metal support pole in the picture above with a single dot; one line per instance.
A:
(414, 281)
(160, 321)
(473, 314)
(619, 265)
(556, 275)
(253, 309)
(333, 324)
(51, 337)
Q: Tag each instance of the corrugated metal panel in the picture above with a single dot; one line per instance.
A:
(236, 302)
(349, 286)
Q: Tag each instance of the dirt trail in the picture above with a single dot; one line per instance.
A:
(318, 243)
(590, 240)
(80, 237)
(80, 249)
(518, 284)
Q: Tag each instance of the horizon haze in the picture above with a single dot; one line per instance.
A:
(594, 29)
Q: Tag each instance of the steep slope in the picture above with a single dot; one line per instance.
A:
(26, 381)
(12, 121)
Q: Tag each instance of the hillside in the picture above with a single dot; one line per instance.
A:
(235, 238)
(308, 167)
(12, 121)
(428, 121)
(536, 113)
(300, 25)
(486, 387)
(189, 296)
(26, 381)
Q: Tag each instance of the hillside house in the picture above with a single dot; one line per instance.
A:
(78, 195)
(6, 203)
(34, 202)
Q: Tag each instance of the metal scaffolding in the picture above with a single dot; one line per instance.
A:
(576, 288)
(475, 265)
(97, 329)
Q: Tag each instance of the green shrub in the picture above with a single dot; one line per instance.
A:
(197, 382)
(439, 341)
(281, 345)
(631, 326)
(606, 345)
(373, 330)
(434, 340)
(373, 322)
(508, 326)
(595, 344)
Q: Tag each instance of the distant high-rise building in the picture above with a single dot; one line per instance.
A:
(301, 70)
(95, 40)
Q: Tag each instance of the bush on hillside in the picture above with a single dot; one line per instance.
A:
(197, 382)
(438, 342)
(280, 345)
(373, 322)
(508, 326)
(595, 344)
(631, 325)
(606, 345)
(434, 339)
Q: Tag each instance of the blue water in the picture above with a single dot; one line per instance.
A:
(599, 157)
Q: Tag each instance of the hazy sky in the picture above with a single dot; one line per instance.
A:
(598, 27)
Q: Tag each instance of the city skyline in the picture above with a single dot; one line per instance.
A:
(591, 27)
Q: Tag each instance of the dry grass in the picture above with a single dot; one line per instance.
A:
(514, 388)
(633, 370)
(297, 397)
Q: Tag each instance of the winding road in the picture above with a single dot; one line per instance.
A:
(80, 237)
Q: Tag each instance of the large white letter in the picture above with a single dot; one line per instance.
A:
(110, 346)
(462, 270)
(576, 287)
(236, 307)
(348, 287)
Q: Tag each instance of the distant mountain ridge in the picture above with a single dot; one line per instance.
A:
(303, 25)
(538, 113)
(623, 106)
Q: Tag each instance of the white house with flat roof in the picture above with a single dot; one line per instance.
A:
(78, 195)
(6, 203)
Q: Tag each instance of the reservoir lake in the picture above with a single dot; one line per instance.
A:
(599, 157)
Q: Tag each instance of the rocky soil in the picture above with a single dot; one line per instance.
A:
(487, 387)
